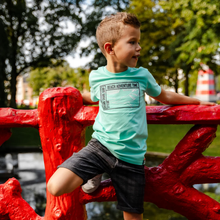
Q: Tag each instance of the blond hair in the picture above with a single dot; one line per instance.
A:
(110, 28)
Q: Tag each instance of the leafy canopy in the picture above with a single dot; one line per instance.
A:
(33, 33)
(177, 35)
(61, 74)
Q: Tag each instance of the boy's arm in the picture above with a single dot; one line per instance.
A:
(87, 99)
(172, 98)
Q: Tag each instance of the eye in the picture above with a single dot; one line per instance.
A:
(131, 42)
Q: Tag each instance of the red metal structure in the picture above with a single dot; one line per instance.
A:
(62, 119)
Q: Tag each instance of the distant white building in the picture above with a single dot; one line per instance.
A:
(24, 94)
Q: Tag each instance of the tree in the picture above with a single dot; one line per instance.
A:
(33, 32)
(3, 52)
(200, 36)
(178, 35)
(61, 74)
(157, 37)
(93, 18)
(36, 32)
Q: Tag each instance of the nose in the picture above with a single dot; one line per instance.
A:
(138, 47)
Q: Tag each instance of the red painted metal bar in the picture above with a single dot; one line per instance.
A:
(182, 114)
(10, 118)
(62, 119)
(185, 114)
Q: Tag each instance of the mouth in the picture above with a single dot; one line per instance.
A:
(136, 57)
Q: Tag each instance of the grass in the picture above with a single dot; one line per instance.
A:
(162, 138)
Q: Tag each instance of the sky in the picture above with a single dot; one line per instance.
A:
(77, 61)
(68, 26)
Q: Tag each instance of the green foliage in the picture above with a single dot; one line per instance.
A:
(201, 27)
(32, 33)
(93, 18)
(217, 86)
(200, 32)
(157, 54)
(58, 75)
(178, 34)
(193, 81)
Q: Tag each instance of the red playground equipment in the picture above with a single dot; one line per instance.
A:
(62, 119)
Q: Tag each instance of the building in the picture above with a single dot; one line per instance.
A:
(24, 94)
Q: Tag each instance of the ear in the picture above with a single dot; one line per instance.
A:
(108, 48)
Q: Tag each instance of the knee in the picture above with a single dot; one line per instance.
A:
(53, 188)
(132, 216)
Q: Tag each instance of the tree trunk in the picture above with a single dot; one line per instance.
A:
(3, 57)
(13, 83)
(176, 82)
(187, 82)
(3, 96)
(14, 74)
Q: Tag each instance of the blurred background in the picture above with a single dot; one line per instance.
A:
(50, 43)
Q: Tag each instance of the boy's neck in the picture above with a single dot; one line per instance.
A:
(115, 67)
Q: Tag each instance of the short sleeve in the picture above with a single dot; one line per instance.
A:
(153, 89)
(92, 88)
(93, 96)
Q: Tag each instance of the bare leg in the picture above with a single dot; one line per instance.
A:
(63, 181)
(132, 216)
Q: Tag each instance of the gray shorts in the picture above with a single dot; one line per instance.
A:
(128, 179)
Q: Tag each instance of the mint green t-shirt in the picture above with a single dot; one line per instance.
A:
(121, 123)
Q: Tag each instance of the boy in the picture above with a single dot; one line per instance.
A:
(120, 129)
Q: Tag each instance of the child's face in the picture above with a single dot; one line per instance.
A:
(127, 48)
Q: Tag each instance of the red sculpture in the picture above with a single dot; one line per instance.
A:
(12, 206)
(62, 120)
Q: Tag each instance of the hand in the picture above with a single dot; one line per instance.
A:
(87, 99)
(207, 103)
